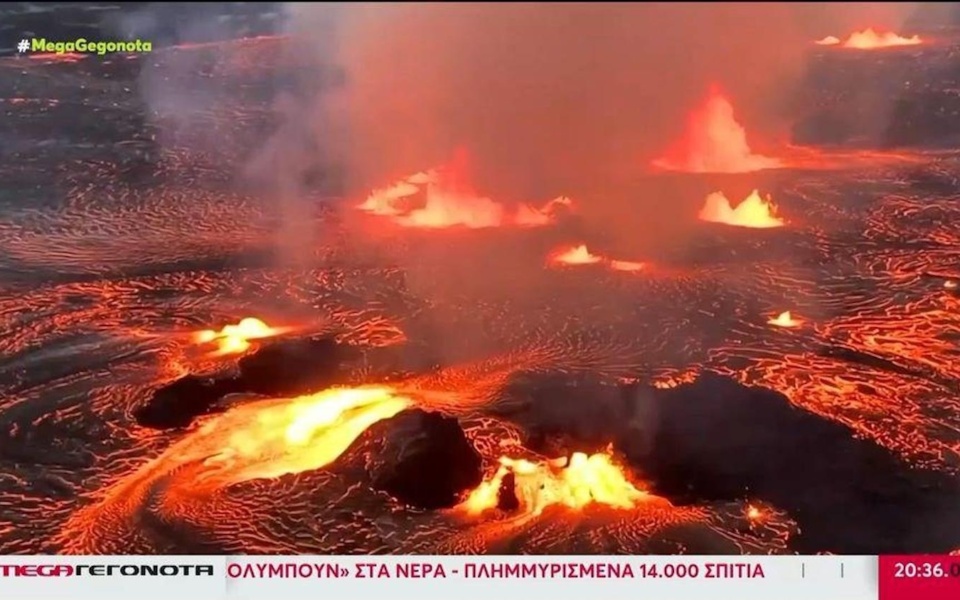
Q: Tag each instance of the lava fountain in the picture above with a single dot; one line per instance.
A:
(235, 339)
(580, 255)
(785, 319)
(442, 197)
(577, 255)
(754, 211)
(870, 39)
(714, 142)
(574, 482)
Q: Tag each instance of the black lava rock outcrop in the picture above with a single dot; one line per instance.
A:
(177, 404)
(716, 440)
(293, 367)
(425, 460)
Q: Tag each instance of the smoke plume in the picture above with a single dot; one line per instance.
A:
(553, 98)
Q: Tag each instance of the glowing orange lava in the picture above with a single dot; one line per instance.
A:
(442, 198)
(577, 255)
(260, 441)
(714, 142)
(235, 339)
(785, 319)
(580, 255)
(627, 265)
(69, 57)
(870, 39)
(754, 211)
(574, 483)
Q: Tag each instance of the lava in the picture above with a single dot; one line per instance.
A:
(442, 197)
(581, 255)
(295, 435)
(714, 142)
(573, 482)
(578, 255)
(785, 319)
(270, 438)
(754, 211)
(627, 265)
(235, 339)
(66, 57)
(870, 39)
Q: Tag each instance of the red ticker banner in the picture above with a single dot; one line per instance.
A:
(920, 577)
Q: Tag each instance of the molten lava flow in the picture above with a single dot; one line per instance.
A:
(442, 198)
(870, 39)
(714, 142)
(785, 319)
(754, 211)
(295, 435)
(575, 483)
(235, 339)
(578, 255)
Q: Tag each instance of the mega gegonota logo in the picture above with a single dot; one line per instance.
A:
(84, 46)
(98, 570)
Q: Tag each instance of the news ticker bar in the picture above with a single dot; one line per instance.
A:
(469, 577)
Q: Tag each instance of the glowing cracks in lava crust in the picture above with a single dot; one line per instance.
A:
(714, 142)
(870, 39)
(575, 483)
(754, 211)
(235, 339)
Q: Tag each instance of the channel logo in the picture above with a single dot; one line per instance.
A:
(113, 570)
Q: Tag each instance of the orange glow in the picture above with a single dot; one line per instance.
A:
(870, 39)
(830, 40)
(443, 197)
(753, 513)
(785, 319)
(950, 284)
(626, 265)
(754, 211)
(714, 142)
(574, 483)
(577, 255)
(69, 57)
(235, 339)
(294, 435)
(580, 255)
